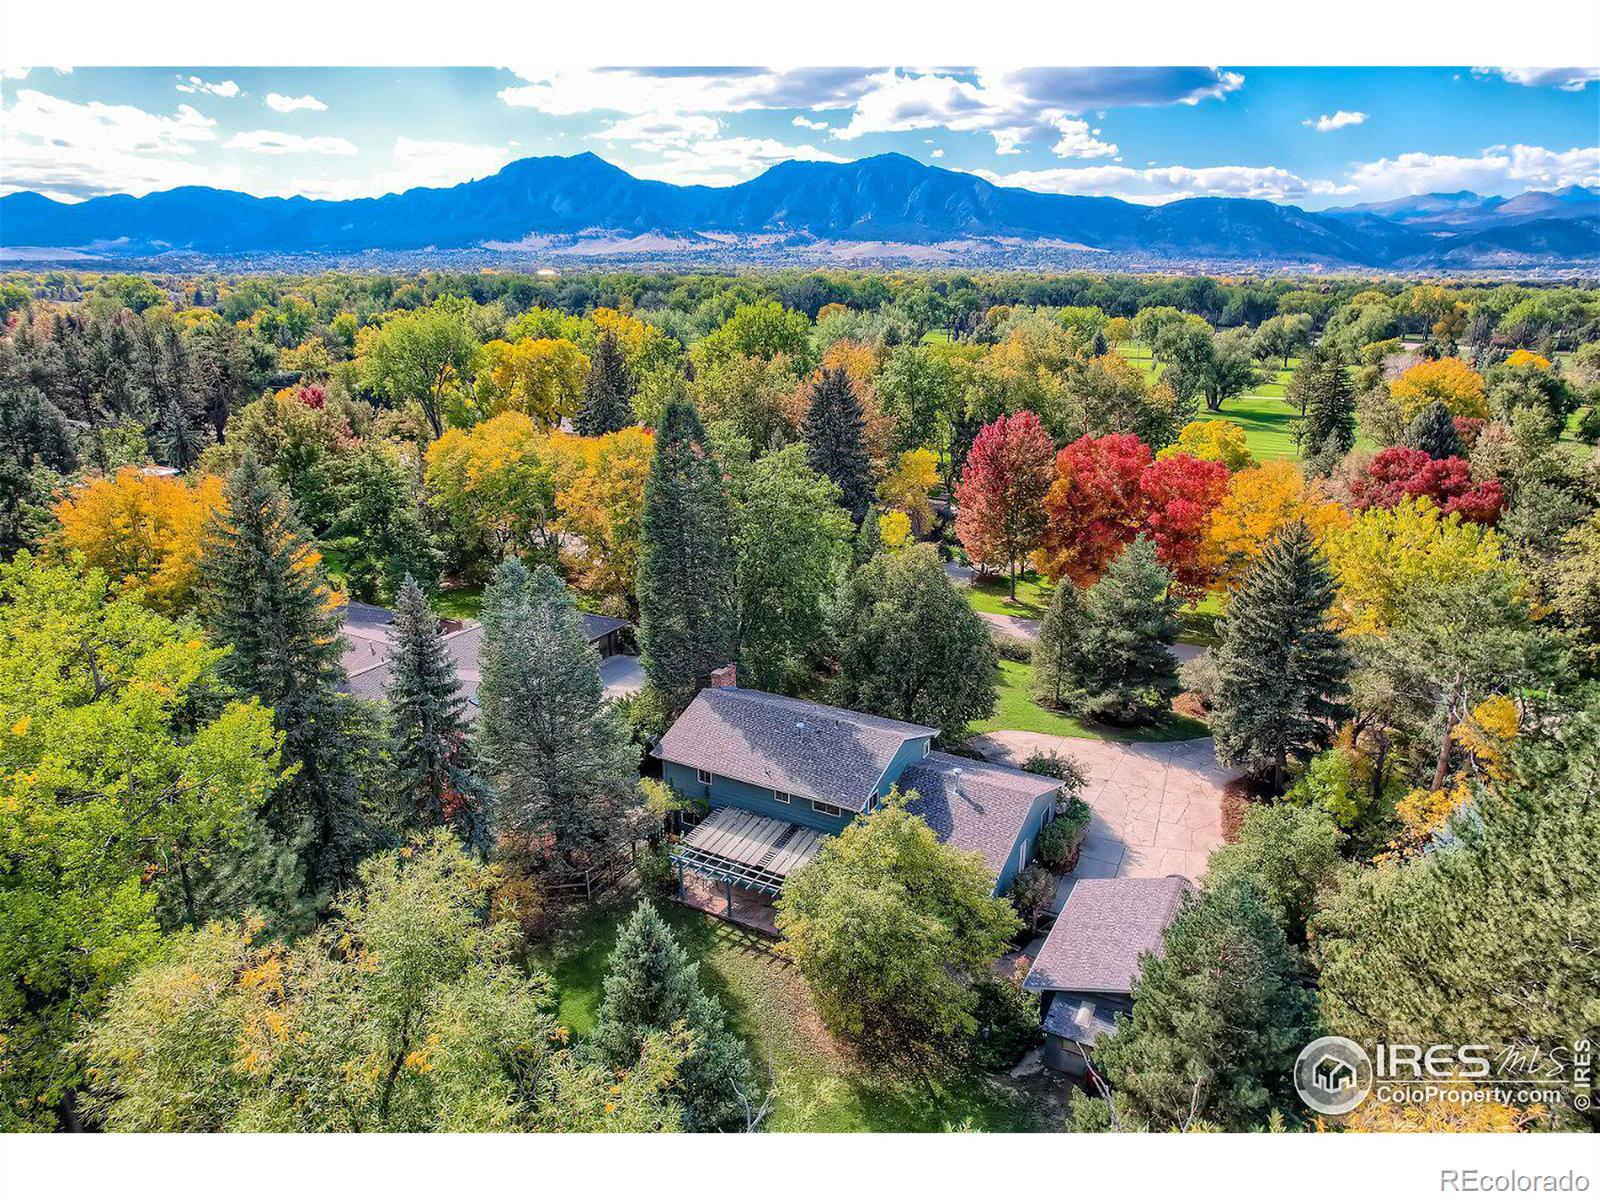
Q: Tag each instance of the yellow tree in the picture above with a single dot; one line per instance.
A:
(1219, 441)
(495, 483)
(542, 377)
(1260, 501)
(906, 488)
(602, 508)
(143, 531)
(1448, 380)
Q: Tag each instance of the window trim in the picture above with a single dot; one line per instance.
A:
(702, 776)
(780, 796)
(828, 810)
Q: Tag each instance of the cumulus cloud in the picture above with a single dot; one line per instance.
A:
(641, 90)
(194, 85)
(1568, 79)
(73, 151)
(656, 132)
(268, 141)
(1338, 120)
(416, 163)
(1497, 169)
(807, 123)
(278, 102)
(1159, 185)
(719, 162)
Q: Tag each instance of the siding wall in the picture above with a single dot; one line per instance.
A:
(723, 791)
(909, 753)
(1038, 815)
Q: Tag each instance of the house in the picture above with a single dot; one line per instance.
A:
(1085, 970)
(368, 633)
(781, 775)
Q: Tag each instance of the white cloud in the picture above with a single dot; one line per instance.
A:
(641, 90)
(1497, 169)
(656, 131)
(194, 85)
(807, 123)
(938, 154)
(1079, 141)
(723, 161)
(1338, 120)
(416, 164)
(1568, 79)
(267, 141)
(1159, 185)
(278, 102)
(80, 150)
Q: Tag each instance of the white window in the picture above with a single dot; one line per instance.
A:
(703, 776)
(826, 809)
(1022, 856)
(780, 797)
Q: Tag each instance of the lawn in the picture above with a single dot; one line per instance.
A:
(1015, 708)
(994, 596)
(821, 1086)
(1198, 622)
(459, 603)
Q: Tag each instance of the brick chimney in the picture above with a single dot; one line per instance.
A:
(727, 676)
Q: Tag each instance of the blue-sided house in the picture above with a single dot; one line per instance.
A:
(781, 775)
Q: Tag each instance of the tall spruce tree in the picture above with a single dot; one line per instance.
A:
(1218, 1018)
(652, 984)
(1321, 389)
(1282, 667)
(556, 753)
(264, 594)
(1129, 674)
(835, 435)
(688, 625)
(1057, 677)
(431, 743)
(608, 392)
(1433, 431)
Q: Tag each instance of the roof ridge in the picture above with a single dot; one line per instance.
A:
(847, 715)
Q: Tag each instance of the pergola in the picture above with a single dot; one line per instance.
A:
(739, 848)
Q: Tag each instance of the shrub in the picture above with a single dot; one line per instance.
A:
(1060, 840)
(1007, 1019)
(1058, 766)
(1013, 649)
(658, 878)
(1032, 889)
(1199, 676)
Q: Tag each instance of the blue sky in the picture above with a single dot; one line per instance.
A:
(1310, 136)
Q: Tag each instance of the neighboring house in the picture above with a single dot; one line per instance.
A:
(368, 631)
(1085, 970)
(781, 774)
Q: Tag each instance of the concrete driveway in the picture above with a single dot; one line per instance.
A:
(1157, 806)
(621, 676)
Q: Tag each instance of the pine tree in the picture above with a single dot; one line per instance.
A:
(1218, 1019)
(1281, 668)
(428, 729)
(557, 754)
(688, 625)
(607, 394)
(1321, 389)
(179, 425)
(264, 594)
(652, 984)
(1056, 656)
(834, 431)
(1433, 431)
(1129, 674)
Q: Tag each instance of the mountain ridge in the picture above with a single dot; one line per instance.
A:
(563, 204)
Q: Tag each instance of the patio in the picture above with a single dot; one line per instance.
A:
(734, 863)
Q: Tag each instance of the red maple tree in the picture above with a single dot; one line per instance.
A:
(1002, 490)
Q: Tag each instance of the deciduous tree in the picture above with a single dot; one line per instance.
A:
(1001, 496)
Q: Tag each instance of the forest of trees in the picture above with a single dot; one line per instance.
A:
(217, 865)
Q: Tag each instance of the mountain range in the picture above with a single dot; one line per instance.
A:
(885, 208)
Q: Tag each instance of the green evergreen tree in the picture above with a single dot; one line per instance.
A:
(1129, 674)
(608, 392)
(835, 435)
(380, 527)
(652, 984)
(264, 594)
(1321, 389)
(1433, 431)
(428, 730)
(1056, 670)
(557, 754)
(1218, 1019)
(1282, 667)
(688, 621)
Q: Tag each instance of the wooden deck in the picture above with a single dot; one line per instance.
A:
(750, 909)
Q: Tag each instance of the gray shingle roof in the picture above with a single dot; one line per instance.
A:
(974, 805)
(596, 627)
(812, 750)
(1106, 924)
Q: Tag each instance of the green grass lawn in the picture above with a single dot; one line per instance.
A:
(994, 596)
(1198, 622)
(821, 1086)
(459, 603)
(1015, 708)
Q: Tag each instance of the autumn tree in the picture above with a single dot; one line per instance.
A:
(1400, 474)
(1216, 440)
(1281, 668)
(143, 531)
(1094, 507)
(544, 378)
(1449, 381)
(602, 505)
(1001, 495)
(1260, 502)
(905, 488)
(1180, 494)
